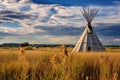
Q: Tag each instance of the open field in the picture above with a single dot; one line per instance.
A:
(52, 64)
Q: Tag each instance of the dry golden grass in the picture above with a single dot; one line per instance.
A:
(52, 64)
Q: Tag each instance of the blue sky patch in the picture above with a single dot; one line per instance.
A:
(11, 24)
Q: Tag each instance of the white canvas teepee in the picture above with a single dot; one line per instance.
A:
(88, 40)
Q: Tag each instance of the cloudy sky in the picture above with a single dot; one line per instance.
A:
(57, 21)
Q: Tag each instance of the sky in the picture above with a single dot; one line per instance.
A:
(57, 21)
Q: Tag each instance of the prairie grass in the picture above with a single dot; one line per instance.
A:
(52, 64)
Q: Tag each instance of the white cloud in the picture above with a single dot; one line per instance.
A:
(8, 1)
(117, 39)
(45, 15)
(25, 1)
(108, 14)
(12, 1)
(50, 16)
(54, 15)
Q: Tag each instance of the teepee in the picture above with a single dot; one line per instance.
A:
(88, 40)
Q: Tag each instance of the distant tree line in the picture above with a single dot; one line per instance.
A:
(24, 44)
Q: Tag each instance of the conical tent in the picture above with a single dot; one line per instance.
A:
(88, 40)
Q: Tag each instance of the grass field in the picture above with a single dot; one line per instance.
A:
(52, 64)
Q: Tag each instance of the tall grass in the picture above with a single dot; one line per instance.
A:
(52, 64)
